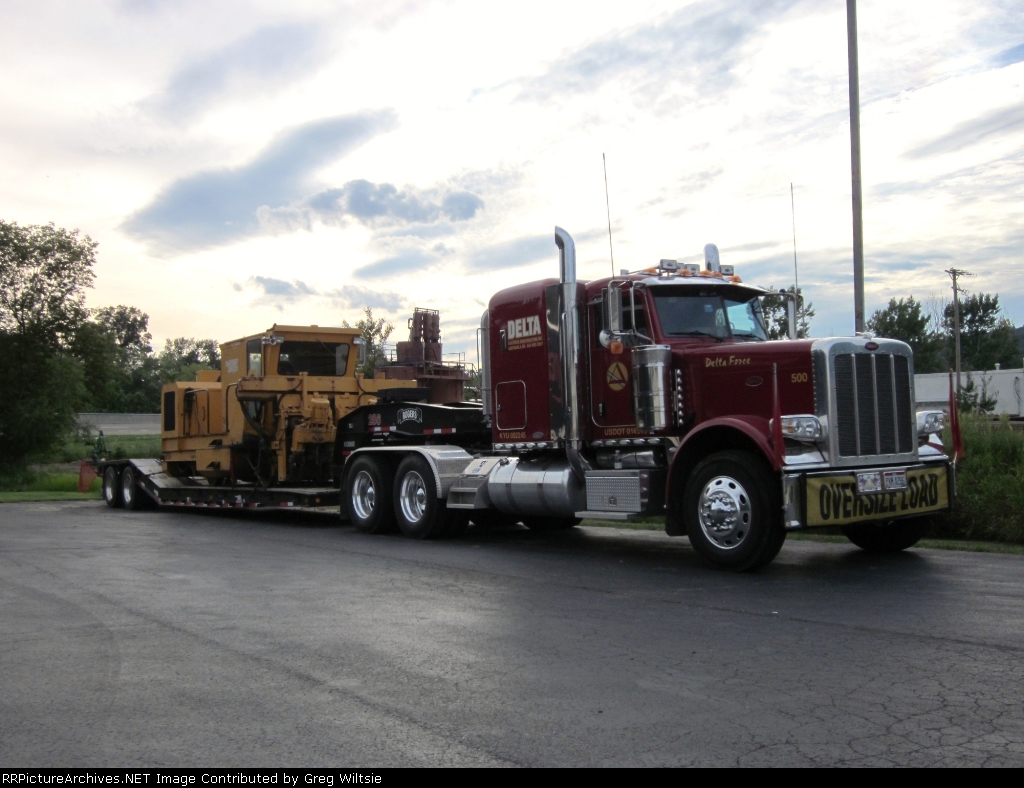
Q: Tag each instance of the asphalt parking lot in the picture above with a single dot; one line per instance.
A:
(170, 639)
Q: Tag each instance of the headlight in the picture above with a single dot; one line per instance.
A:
(930, 422)
(802, 428)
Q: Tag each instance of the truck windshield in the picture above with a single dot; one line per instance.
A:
(707, 313)
(313, 358)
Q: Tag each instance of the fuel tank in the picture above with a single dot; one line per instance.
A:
(539, 487)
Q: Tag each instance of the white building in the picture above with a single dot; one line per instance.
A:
(932, 390)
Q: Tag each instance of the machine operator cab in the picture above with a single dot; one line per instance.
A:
(291, 350)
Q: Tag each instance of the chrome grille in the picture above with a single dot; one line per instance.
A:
(874, 410)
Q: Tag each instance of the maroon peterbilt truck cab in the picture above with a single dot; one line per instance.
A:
(659, 392)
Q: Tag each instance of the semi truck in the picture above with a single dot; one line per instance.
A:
(657, 392)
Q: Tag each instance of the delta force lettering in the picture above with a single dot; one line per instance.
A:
(834, 500)
(524, 332)
(722, 361)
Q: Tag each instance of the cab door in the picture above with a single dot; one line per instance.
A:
(611, 379)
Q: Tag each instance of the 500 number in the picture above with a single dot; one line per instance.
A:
(798, 377)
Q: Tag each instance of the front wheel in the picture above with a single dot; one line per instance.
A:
(112, 487)
(367, 496)
(886, 537)
(732, 511)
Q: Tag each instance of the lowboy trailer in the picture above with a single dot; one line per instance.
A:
(656, 392)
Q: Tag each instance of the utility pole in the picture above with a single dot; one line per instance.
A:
(953, 274)
(858, 222)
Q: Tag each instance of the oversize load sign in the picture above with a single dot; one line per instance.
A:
(834, 500)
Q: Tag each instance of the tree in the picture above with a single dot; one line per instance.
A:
(904, 319)
(39, 395)
(129, 328)
(776, 314)
(374, 333)
(181, 358)
(972, 400)
(121, 374)
(986, 338)
(44, 271)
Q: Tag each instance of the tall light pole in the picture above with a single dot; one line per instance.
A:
(858, 222)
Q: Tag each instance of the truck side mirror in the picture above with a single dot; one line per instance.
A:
(612, 305)
(791, 309)
(361, 345)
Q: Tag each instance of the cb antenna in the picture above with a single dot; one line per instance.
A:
(607, 207)
(792, 208)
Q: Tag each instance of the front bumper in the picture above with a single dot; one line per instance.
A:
(823, 498)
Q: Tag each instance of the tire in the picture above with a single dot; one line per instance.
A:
(551, 523)
(419, 512)
(133, 496)
(890, 537)
(367, 496)
(112, 487)
(732, 511)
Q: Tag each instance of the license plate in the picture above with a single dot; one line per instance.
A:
(841, 499)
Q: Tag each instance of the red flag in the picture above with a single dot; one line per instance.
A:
(777, 441)
(954, 423)
(86, 473)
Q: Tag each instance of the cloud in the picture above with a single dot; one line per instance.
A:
(281, 288)
(268, 57)
(992, 124)
(510, 254)
(696, 44)
(353, 297)
(377, 205)
(216, 207)
(394, 266)
(283, 294)
(1009, 56)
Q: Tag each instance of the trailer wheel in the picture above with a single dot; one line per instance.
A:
(887, 537)
(420, 513)
(732, 511)
(134, 498)
(367, 496)
(551, 523)
(112, 487)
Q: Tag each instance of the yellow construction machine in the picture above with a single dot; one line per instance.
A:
(269, 416)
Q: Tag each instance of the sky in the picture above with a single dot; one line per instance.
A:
(249, 163)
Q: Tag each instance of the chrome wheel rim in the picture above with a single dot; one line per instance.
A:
(412, 497)
(364, 495)
(109, 485)
(724, 511)
(127, 488)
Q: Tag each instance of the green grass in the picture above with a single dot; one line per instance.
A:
(120, 447)
(48, 495)
(47, 487)
(989, 506)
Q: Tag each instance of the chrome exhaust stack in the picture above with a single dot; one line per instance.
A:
(570, 351)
